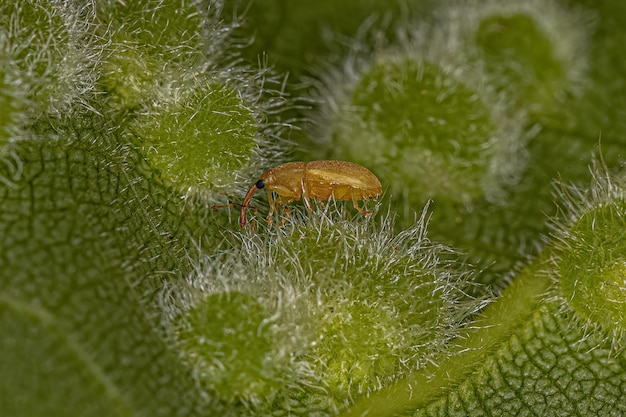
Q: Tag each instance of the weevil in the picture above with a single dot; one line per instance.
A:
(321, 180)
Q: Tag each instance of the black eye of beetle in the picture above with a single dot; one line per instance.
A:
(260, 184)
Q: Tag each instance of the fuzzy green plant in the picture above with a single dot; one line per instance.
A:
(320, 310)
(447, 113)
(487, 280)
(590, 255)
(94, 225)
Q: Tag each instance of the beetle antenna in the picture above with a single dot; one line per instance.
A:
(221, 206)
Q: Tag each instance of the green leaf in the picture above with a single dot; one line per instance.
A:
(522, 355)
(41, 364)
(77, 234)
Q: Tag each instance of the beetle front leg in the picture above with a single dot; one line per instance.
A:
(287, 211)
(281, 203)
(270, 200)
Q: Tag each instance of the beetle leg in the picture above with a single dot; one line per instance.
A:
(270, 200)
(254, 220)
(285, 217)
(361, 210)
(280, 202)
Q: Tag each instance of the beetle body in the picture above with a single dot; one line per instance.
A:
(321, 180)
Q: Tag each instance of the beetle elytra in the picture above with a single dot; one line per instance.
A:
(321, 180)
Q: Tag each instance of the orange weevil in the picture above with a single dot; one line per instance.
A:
(322, 180)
